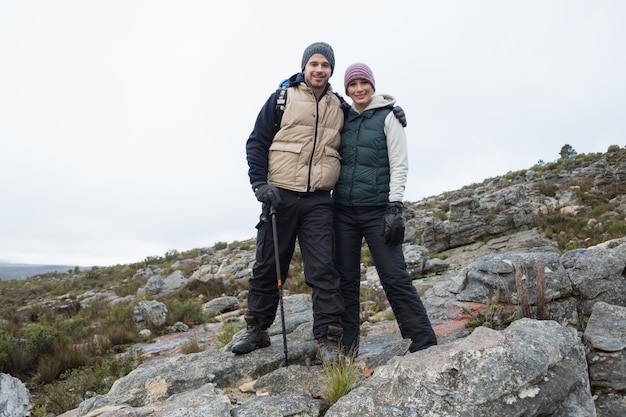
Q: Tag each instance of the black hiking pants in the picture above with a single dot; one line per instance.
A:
(352, 224)
(307, 217)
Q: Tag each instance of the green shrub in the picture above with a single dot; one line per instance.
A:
(153, 260)
(40, 411)
(600, 209)
(547, 188)
(121, 313)
(440, 215)
(171, 255)
(245, 245)
(228, 331)
(41, 339)
(129, 287)
(118, 325)
(615, 229)
(219, 246)
(8, 346)
(57, 399)
(120, 334)
(210, 289)
(189, 312)
(613, 148)
(64, 395)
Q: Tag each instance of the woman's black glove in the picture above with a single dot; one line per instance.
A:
(400, 115)
(266, 194)
(393, 224)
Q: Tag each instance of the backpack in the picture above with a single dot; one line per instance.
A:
(281, 100)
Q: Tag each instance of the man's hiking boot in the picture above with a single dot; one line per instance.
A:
(330, 345)
(420, 345)
(253, 339)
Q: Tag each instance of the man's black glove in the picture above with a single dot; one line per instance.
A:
(400, 115)
(393, 224)
(267, 194)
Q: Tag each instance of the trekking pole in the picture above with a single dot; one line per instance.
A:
(280, 281)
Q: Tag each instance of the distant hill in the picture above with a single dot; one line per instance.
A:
(10, 271)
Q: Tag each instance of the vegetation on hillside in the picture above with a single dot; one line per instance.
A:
(600, 217)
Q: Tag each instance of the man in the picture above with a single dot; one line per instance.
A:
(292, 168)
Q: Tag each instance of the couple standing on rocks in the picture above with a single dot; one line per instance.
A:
(330, 174)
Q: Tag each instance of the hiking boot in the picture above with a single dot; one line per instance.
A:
(254, 338)
(420, 345)
(330, 345)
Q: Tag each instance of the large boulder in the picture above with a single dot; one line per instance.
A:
(14, 397)
(533, 368)
(605, 337)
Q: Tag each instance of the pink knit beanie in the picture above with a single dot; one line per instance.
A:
(356, 71)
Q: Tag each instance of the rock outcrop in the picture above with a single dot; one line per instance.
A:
(14, 397)
(560, 359)
(533, 368)
(564, 356)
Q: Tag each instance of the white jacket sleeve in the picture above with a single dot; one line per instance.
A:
(398, 157)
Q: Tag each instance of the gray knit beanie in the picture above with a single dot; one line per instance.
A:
(319, 48)
(358, 71)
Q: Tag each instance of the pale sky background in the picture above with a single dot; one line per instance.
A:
(123, 123)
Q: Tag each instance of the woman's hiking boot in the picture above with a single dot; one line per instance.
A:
(330, 345)
(253, 339)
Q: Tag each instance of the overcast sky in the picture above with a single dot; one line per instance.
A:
(123, 123)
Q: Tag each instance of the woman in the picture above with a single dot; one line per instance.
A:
(368, 204)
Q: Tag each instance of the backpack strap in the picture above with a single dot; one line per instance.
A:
(345, 106)
(281, 100)
(341, 99)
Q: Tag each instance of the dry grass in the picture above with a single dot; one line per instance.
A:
(341, 378)
(192, 346)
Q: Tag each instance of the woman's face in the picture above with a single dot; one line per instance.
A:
(361, 92)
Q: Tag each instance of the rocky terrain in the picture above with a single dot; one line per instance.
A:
(545, 248)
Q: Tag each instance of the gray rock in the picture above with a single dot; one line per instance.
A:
(14, 397)
(532, 368)
(605, 336)
(606, 329)
(611, 404)
(150, 313)
(154, 285)
(221, 305)
(285, 404)
(173, 282)
(521, 278)
(596, 274)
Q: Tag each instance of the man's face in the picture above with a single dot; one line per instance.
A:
(317, 72)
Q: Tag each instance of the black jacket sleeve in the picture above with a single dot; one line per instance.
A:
(259, 141)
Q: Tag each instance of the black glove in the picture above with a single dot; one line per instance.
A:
(400, 115)
(393, 224)
(267, 194)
